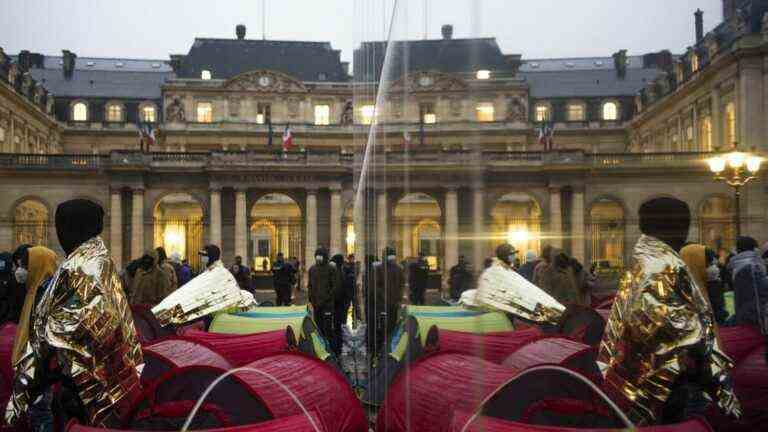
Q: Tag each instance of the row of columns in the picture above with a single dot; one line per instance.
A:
(336, 244)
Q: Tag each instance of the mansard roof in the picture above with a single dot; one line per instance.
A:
(103, 83)
(439, 55)
(587, 83)
(227, 58)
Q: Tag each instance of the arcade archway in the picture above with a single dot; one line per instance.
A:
(716, 228)
(607, 232)
(417, 229)
(178, 220)
(516, 219)
(276, 226)
(30, 223)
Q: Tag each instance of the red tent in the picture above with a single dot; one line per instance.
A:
(750, 379)
(556, 351)
(494, 347)
(739, 341)
(168, 354)
(248, 397)
(297, 423)
(7, 336)
(489, 424)
(423, 395)
(148, 327)
(243, 349)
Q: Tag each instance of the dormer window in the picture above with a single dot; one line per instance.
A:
(483, 74)
(119, 64)
(534, 65)
(322, 76)
(599, 63)
(148, 113)
(205, 74)
(543, 113)
(114, 112)
(570, 65)
(155, 65)
(610, 111)
(90, 64)
(79, 112)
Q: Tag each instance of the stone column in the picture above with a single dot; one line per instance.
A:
(381, 222)
(407, 239)
(116, 227)
(577, 226)
(311, 227)
(241, 226)
(555, 218)
(358, 217)
(137, 224)
(336, 237)
(284, 240)
(695, 122)
(214, 237)
(750, 104)
(717, 118)
(478, 227)
(451, 229)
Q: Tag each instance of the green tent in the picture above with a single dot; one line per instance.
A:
(243, 324)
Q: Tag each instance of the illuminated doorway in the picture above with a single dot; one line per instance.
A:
(417, 229)
(178, 220)
(606, 222)
(516, 219)
(276, 227)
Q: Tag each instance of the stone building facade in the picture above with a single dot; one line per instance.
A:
(454, 164)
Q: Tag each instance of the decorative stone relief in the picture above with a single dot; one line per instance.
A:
(234, 106)
(454, 106)
(517, 109)
(175, 111)
(420, 82)
(293, 108)
(347, 114)
(264, 81)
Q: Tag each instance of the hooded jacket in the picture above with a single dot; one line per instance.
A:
(11, 293)
(323, 280)
(151, 285)
(748, 275)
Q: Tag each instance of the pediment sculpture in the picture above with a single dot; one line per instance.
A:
(265, 81)
(421, 82)
(175, 111)
(517, 109)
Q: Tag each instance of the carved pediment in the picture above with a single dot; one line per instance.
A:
(426, 82)
(265, 81)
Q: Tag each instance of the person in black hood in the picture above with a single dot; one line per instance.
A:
(209, 256)
(322, 291)
(9, 290)
(283, 278)
(78, 221)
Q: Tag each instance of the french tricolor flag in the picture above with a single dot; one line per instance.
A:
(287, 138)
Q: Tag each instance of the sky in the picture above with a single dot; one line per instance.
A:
(535, 29)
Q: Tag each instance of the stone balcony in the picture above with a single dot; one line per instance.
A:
(342, 161)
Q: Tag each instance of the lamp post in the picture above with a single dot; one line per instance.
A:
(736, 169)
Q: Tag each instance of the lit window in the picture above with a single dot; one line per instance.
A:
(485, 112)
(483, 74)
(689, 132)
(80, 112)
(428, 115)
(204, 112)
(367, 112)
(695, 63)
(263, 113)
(706, 134)
(148, 114)
(575, 112)
(542, 113)
(730, 124)
(2, 135)
(205, 74)
(114, 113)
(610, 111)
(322, 115)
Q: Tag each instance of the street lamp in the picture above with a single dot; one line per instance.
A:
(736, 169)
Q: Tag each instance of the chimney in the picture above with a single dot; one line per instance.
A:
(447, 32)
(176, 61)
(661, 60)
(25, 60)
(699, 19)
(240, 31)
(345, 68)
(69, 63)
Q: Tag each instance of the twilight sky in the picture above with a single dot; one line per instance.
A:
(534, 28)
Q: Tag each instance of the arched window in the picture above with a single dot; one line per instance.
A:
(716, 224)
(730, 124)
(607, 232)
(148, 113)
(114, 112)
(178, 220)
(30, 223)
(516, 219)
(205, 74)
(204, 112)
(543, 113)
(80, 111)
(417, 218)
(576, 112)
(276, 227)
(610, 111)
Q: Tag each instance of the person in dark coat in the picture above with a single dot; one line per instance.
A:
(282, 279)
(322, 291)
(9, 306)
(750, 284)
(241, 273)
(418, 279)
(461, 278)
(389, 281)
(715, 287)
(350, 271)
(340, 303)
(526, 270)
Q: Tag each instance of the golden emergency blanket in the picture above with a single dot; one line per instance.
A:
(659, 317)
(502, 288)
(212, 291)
(85, 319)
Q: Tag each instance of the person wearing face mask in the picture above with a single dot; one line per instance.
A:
(41, 263)
(83, 321)
(210, 257)
(151, 283)
(322, 290)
